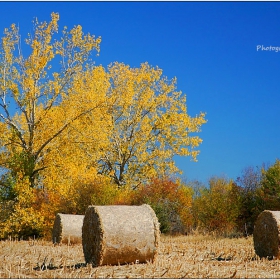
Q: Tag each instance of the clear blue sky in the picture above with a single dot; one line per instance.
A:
(211, 47)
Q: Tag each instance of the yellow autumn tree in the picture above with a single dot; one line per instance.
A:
(69, 129)
(42, 94)
(73, 158)
(149, 125)
(141, 127)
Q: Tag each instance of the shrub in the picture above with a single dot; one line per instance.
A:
(19, 218)
(217, 208)
(171, 202)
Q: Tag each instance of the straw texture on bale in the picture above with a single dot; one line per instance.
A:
(266, 234)
(67, 229)
(120, 234)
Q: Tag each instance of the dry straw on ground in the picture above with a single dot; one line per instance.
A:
(67, 229)
(120, 234)
(179, 257)
(266, 234)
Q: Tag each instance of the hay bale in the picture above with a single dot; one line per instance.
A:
(67, 229)
(266, 234)
(120, 234)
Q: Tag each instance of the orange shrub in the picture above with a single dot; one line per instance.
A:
(171, 202)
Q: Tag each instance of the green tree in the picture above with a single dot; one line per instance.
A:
(270, 187)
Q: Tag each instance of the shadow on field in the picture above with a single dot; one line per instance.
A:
(50, 266)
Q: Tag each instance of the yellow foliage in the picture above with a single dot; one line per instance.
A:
(149, 125)
(24, 220)
(84, 132)
(46, 142)
(48, 102)
(217, 207)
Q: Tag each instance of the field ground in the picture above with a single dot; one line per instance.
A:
(179, 257)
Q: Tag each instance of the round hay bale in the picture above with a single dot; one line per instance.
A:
(120, 234)
(67, 229)
(266, 234)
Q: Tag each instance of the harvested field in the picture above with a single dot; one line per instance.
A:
(178, 257)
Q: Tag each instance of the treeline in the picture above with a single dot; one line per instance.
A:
(224, 207)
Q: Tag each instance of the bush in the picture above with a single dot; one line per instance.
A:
(170, 201)
(23, 223)
(18, 217)
(217, 208)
